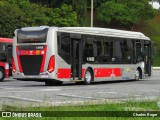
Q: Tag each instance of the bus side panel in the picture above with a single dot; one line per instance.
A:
(14, 53)
(5, 66)
(111, 72)
(51, 51)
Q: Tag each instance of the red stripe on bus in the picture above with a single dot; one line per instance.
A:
(3, 64)
(64, 73)
(6, 40)
(107, 72)
(83, 72)
(99, 72)
(18, 60)
(44, 58)
(117, 72)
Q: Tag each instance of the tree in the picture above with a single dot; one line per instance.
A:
(63, 16)
(21, 13)
(11, 18)
(79, 6)
(124, 12)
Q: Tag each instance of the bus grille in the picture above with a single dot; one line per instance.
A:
(31, 64)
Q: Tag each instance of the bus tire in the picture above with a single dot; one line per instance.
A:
(88, 78)
(137, 74)
(2, 74)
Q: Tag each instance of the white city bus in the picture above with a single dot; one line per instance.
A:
(80, 54)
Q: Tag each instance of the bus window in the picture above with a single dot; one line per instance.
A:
(3, 56)
(9, 55)
(139, 51)
(124, 50)
(130, 57)
(117, 53)
(64, 46)
(99, 48)
(32, 36)
(104, 50)
(108, 50)
(127, 51)
(89, 50)
(65, 43)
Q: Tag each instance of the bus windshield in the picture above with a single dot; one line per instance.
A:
(32, 36)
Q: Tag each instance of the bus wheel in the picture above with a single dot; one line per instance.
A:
(88, 77)
(137, 75)
(2, 74)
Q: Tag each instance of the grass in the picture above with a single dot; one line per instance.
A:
(92, 110)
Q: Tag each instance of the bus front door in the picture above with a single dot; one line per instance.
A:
(148, 63)
(76, 59)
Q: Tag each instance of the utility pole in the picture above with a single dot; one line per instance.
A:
(91, 13)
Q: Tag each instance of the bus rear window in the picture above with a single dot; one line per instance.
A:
(32, 36)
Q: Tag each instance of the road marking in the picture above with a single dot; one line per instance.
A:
(50, 89)
(107, 92)
(91, 86)
(12, 88)
(149, 90)
(42, 90)
(118, 94)
(41, 101)
(112, 93)
(77, 102)
(83, 97)
(20, 98)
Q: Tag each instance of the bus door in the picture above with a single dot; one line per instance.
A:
(76, 59)
(9, 58)
(147, 48)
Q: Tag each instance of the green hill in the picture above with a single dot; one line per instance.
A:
(151, 28)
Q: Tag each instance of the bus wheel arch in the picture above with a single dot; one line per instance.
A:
(2, 74)
(89, 76)
(138, 73)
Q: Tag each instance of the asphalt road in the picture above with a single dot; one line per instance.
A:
(13, 92)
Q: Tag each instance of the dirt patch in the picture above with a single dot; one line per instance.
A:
(157, 18)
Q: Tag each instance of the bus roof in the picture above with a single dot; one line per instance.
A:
(94, 31)
(104, 32)
(6, 40)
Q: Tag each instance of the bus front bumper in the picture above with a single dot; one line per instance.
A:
(44, 75)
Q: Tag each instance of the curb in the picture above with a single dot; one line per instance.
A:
(156, 68)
